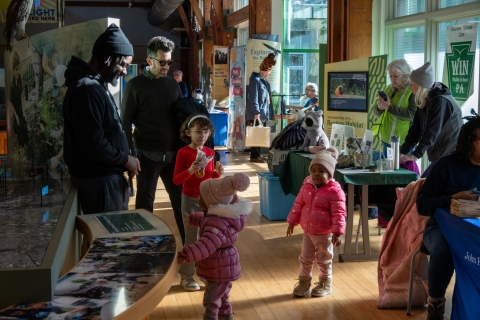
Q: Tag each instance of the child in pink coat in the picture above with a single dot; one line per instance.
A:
(320, 210)
(217, 258)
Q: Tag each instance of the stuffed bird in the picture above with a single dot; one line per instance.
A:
(17, 15)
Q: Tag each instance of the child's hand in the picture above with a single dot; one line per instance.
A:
(336, 241)
(186, 221)
(290, 229)
(194, 167)
(181, 258)
(219, 168)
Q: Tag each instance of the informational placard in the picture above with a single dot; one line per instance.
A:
(124, 222)
(236, 115)
(221, 84)
(459, 64)
(43, 11)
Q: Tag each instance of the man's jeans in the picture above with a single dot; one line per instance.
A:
(147, 180)
(103, 194)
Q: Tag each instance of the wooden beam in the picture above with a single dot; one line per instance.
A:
(198, 15)
(184, 18)
(238, 16)
(218, 11)
(228, 39)
(252, 20)
(107, 4)
(263, 24)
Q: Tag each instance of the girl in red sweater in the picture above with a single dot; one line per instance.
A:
(195, 131)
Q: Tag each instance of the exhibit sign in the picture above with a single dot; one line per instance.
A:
(257, 50)
(124, 222)
(236, 114)
(43, 11)
(458, 69)
(221, 84)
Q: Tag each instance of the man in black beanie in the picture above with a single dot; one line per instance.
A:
(95, 144)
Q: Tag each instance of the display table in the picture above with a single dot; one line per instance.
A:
(295, 169)
(463, 237)
(220, 125)
(127, 268)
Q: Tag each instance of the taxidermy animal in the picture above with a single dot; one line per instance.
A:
(17, 15)
(315, 136)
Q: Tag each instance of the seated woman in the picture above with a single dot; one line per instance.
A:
(451, 177)
(311, 92)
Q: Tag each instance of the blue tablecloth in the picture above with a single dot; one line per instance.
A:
(463, 237)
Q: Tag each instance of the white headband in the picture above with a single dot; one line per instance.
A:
(195, 117)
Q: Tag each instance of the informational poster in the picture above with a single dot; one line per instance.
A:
(257, 50)
(236, 116)
(221, 84)
(43, 11)
(377, 77)
(458, 69)
(124, 222)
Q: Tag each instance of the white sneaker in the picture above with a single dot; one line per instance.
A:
(189, 284)
(205, 282)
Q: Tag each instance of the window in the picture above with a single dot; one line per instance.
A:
(239, 4)
(305, 24)
(305, 27)
(298, 69)
(451, 3)
(410, 44)
(409, 7)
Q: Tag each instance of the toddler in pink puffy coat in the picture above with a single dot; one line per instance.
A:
(217, 258)
(320, 209)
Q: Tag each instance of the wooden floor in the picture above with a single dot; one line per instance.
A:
(270, 268)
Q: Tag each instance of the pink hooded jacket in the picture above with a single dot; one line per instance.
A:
(217, 257)
(319, 210)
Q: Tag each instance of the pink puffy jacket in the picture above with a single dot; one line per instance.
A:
(217, 257)
(319, 210)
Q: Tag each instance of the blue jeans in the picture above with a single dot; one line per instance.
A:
(147, 180)
(103, 194)
(440, 267)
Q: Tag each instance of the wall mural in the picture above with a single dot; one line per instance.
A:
(35, 88)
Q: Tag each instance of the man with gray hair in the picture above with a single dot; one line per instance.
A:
(149, 104)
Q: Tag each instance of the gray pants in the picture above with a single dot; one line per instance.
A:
(103, 194)
(189, 205)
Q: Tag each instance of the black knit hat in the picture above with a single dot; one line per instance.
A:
(113, 41)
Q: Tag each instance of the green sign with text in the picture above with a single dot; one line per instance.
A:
(460, 60)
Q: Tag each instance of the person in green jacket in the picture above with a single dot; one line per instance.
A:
(396, 110)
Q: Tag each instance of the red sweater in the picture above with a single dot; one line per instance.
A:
(191, 183)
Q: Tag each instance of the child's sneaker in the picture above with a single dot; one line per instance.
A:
(302, 288)
(189, 284)
(323, 288)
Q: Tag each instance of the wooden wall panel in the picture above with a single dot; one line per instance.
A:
(336, 31)
(228, 38)
(359, 29)
(208, 52)
(263, 17)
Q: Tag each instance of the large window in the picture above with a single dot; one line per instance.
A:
(305, 27)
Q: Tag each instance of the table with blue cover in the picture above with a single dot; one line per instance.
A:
(463, 237)
(294, 170)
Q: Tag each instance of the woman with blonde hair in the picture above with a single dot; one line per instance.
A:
(437, 122)
(396, 109)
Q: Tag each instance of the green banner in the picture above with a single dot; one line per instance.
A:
(460, 60)
(377, 71)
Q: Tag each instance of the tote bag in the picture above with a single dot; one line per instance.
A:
(258, 136)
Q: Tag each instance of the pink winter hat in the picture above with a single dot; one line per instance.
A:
(326, 158)
(222, 190)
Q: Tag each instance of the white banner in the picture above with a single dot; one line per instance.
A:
(459, 64)
(236, 114)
